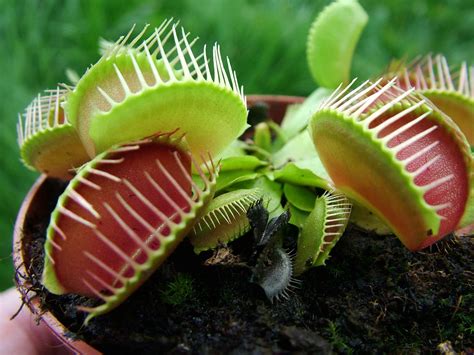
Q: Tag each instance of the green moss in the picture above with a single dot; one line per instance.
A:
(178, 290)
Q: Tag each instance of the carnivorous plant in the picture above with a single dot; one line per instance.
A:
(148, 138)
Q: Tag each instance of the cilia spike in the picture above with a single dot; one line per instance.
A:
(322, 230)
(452, 91)
(135, 90)
(121, 216)
(47, 141)
(398, 156)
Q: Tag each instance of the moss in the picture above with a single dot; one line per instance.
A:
(179, 290)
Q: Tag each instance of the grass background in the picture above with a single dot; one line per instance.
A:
(265, 40)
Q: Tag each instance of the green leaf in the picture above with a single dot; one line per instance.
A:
(244, 162)
(300, 197)
(298, 115)
(228, 178)
(331, 42)
(224, 219)
(263, 137)
(271, 190)
(236, 148)
(297, 216)
(300, 147)
(303, 174)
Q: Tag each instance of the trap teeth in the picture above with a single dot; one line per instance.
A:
(451, 91)
(48, 143)
(136, 89)
(396, 155)
(121, 216)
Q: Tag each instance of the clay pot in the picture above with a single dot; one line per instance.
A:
(37, 207)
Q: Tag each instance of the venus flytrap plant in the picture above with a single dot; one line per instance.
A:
(121, 216)
(129, 207)
(123, 213)
(135, 90)
(48, 143)
(398, 156)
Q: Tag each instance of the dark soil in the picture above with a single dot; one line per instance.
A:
(373, 296)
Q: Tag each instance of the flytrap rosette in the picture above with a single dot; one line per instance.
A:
(397, 155)
(48, 142)
(135, 90)
(121, 216)
(452, 91)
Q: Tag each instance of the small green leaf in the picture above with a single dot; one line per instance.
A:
(272, 192)
(297, 216)
(235, 149)
(300, 197)
(298, 115)
(228, 178)
(300, 147)
(331, 42)
(245, 162)
(263, 137)
(303, 174)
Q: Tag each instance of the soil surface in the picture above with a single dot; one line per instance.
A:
(373, 296)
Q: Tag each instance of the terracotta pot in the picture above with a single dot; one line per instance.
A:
(37, 207)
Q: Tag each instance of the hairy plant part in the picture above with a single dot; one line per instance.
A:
(331, 42)
(121, 216)
(258, 219)
(224, 220)
(451, 91)
(321, 231)
(135, 90)
(263, 229)
(274, 272)
(398, 156)
(48, 143)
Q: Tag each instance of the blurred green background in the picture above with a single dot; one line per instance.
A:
(265, 40)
